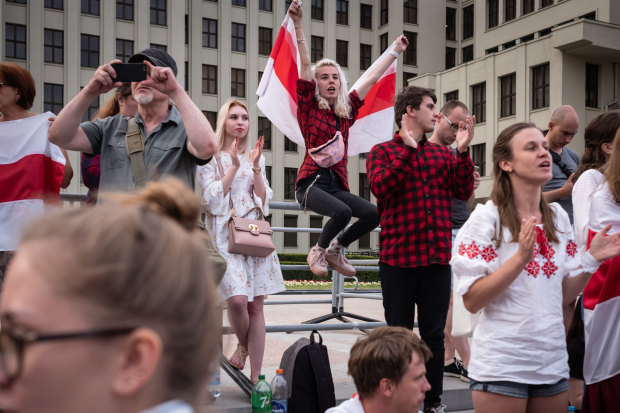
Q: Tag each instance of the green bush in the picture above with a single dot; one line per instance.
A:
(297, 259)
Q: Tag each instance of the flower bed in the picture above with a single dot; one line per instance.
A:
(327, 285)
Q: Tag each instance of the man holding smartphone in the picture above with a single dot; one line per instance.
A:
(175, 134)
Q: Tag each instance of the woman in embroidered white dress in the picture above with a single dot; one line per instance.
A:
(516, 260)
(248, 279)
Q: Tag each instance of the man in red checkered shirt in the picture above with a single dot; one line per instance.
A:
(414, 182)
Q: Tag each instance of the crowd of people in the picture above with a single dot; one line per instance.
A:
(135, 301)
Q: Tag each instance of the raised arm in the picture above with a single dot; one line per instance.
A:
(295, 11)
(65, 131)
(384, 63)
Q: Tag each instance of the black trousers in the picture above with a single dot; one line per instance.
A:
(428, 287)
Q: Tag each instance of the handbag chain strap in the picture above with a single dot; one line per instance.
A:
(234, 213)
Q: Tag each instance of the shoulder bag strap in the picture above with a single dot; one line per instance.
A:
(135, 150)
(337, 122)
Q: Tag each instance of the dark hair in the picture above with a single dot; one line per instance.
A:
(502, 194)
(384, 353)
(410, 96)
(450, 105)
(16, 76)
(600, 130)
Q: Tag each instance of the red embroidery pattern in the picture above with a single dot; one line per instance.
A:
(533, 268)
(543, 251)
(472, 250)
(549, 268)
(571, 248)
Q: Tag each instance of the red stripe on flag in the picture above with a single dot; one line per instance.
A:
(284, 63)
(605, 282)
(32, 177)
(380, 96)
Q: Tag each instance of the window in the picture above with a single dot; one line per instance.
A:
(478, 156)
(264, 41)
(260, 76)
(410, 55)
(383, 42)
(238, 37)
(53, 4)
(591, 85)
(15, 42)
(479, 102)
(492, 13)
(454, 95)
(544, 32)
(287, 5)
(527, 38)
(290, 175)
(89, 52)
(316, 49)
(52, 97)
(510, 10)
(209, 80)
(240, 3)
(186, 29)
(237, 82)
(364, 187)
(159, 46)
(366, 16)
(540, 86)
(268, 176)
(158, 12)
(342, 53)
(342, 12)
(410, 11)
(384, 11)
(545, 3)
(316, 11)
(365, 56)
(468, 22)
(468, 53)
(450, 57)
(209, 33)
(90, 7)
(124, 9)
(53, 44)
(508, 95)
(186, 80)
(265, 5)
(289, 145)
(450, 23)
(407, 76)
(93, 108)
(527, 6)
(211, 118)
(264, 129)
(124, 49)
(509, 44)
(17, 1)
(316, 221)
(490, 50)
(290, 238)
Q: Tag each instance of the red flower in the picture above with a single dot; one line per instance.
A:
(571, 248)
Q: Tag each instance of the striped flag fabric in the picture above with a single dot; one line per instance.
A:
(601, 302)
(31, 171)
(278, 96)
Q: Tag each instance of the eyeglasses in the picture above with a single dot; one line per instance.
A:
(12, 345)
(453, 127)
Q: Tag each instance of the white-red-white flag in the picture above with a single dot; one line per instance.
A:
(278, 96)
(31, 171)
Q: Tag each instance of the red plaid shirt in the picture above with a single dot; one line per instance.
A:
(318, 126)
(414, 190)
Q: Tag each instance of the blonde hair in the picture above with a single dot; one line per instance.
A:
(220, 130)
(111, 107)
(137, 266)
(612, 172)
(342, 108)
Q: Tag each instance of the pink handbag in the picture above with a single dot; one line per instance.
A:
(330, 153)
(248, 236)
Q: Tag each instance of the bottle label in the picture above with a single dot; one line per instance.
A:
(279, 406)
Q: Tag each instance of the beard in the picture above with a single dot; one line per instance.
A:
(143, 99)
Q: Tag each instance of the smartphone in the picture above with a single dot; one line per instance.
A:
(129, 72)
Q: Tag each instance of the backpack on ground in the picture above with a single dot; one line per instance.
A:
(309, 376)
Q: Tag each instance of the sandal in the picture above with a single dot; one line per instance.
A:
(242, 353)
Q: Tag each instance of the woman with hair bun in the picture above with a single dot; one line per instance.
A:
(119, 318)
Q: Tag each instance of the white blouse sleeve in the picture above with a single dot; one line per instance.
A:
(212, 191)
(474, 253)
(583, 189)
(568, 254)
(258, 202)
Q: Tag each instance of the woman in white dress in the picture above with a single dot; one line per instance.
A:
(248, 279)
(516, 260)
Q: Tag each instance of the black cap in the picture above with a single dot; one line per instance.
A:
(157, 57)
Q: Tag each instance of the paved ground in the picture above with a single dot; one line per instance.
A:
(338, 343)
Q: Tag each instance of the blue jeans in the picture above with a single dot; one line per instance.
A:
(427, 287)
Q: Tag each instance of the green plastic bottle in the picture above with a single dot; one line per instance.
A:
(261, 396)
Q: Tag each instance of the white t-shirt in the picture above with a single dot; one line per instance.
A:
(583, 189)
(605, 210)
(520, 335)
(353, 405)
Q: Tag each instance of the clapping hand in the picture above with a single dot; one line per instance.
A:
(605, 247)
(406, 134)
(527, 240)
(465, 133)
(258, 151)
(234, 152)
